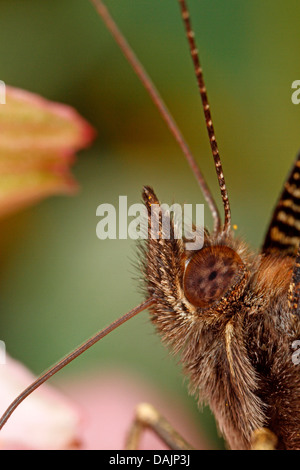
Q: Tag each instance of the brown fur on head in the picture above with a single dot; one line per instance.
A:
(231, 344)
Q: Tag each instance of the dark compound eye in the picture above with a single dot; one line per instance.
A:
(210, 273)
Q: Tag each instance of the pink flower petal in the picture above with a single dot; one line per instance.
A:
(45, 420)
(30, 121)
(38, 141)
(108, 405)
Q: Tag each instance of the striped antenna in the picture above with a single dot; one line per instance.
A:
(209, 124)
(159, 103)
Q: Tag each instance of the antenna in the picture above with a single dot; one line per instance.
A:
(70, 357)
(159, 103)
(209, 124)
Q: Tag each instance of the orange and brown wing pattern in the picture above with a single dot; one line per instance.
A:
(294, 290)
(283, 235)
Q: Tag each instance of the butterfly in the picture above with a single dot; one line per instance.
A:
(281, 242)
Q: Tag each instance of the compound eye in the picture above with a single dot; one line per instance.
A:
(210, 273)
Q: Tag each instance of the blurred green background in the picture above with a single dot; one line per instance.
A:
(59, 283)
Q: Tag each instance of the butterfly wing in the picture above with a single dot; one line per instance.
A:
(283, 234)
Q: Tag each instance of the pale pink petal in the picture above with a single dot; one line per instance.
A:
(45, 420)
(108, 403)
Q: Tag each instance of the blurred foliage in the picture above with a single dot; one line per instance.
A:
(59, 283)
